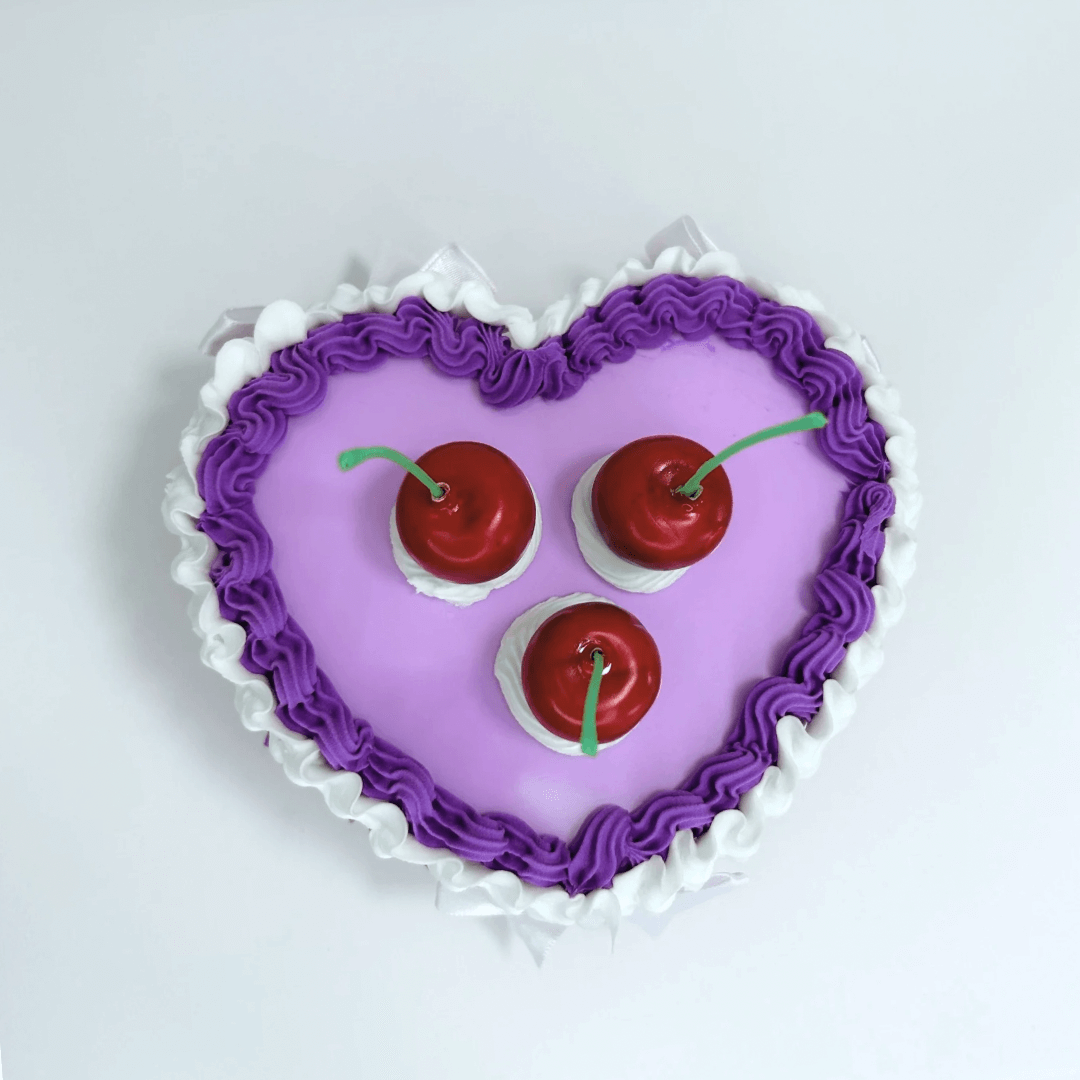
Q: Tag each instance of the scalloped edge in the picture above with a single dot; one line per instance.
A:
(651, 886)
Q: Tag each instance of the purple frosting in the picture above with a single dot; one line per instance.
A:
(612, 839)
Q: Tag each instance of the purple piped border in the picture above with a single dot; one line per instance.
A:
(612, 839)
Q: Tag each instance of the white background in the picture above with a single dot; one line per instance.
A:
(171, 905)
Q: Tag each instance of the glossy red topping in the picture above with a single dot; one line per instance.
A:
(483, 524)
(557, 665)
(640, 517)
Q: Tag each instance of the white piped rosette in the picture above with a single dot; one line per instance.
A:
(539, 914)
(428, 584)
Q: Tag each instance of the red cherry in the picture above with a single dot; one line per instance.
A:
(480, 528)
(557, 665)
(641, 518)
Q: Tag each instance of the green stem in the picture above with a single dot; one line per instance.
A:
(589, 744)
(350, 458)
(692, 487)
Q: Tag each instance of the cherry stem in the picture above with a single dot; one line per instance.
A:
(692, 487)
(589, 744)
(350, 458)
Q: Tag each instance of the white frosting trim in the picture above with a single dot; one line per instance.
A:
(453, 592)
(508, 669)
(614, 569)
(651, 886)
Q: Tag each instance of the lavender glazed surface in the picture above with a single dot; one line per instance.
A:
(421, 671)
(645, 317)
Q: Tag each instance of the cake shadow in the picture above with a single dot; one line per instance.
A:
(134, 551)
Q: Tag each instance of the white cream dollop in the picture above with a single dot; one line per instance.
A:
(453, 592)
(612, 568)
(508, 669)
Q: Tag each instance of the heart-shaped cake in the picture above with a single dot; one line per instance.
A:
(387, 699)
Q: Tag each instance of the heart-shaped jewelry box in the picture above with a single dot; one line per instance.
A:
(387, 701)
